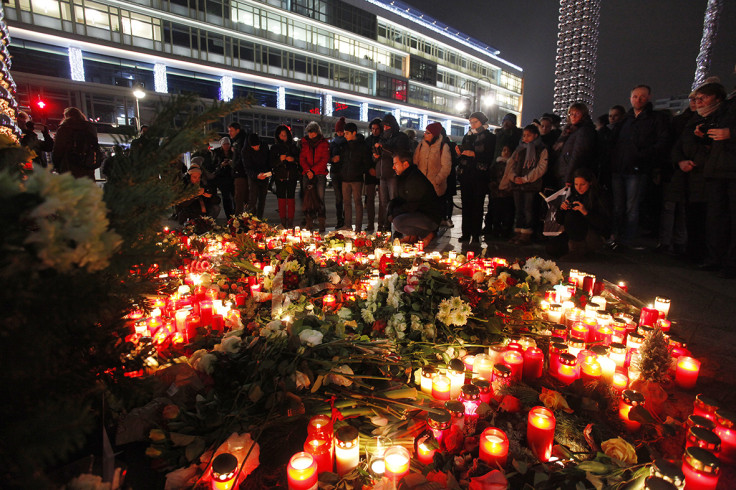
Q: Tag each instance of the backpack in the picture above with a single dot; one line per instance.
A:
(85, 152)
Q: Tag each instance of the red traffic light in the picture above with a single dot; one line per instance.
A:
(41, 104)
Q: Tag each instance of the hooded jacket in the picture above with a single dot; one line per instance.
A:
(392, 142)
(434, 160)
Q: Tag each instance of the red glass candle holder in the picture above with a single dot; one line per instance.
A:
(701, 468)
(494, 447)
(629, 400)
(540, 432)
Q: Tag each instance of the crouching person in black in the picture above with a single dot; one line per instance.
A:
(415, 212)
(586, 218)
(205, 203)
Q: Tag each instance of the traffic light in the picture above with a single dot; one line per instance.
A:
(41, 107)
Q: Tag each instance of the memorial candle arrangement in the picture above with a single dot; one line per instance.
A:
(701, 468)
(347, 450)
(686, 374)
(397, 460)
(540, 432)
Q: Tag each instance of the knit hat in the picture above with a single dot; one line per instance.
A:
(435, 128)
(196, 162)
(254, 139)
(225, 141)
(479, 116)
(340, 125)
(509, 117)
(390, 120)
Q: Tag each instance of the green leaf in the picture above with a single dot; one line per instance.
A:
(594, 467)
(520, 466)
(195, 449)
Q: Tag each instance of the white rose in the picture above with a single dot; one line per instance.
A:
(302, 380)
(334, 277)
(231, 345)
(311, 337)
(206, 363)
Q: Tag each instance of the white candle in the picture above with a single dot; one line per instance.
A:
(181, 318)
(600, 300)
(608, 368)
(347, 450)
(662, 304)
(554, 314)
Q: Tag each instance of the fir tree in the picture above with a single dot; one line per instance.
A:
(654, 361)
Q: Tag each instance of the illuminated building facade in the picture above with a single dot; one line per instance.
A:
(298, 59)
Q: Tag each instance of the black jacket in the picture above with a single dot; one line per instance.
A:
(284, 170)
(393, 141)
(69, 131)
(370, 143)
(223, 166)
(640, 143)
(415, 193)
(256, 162)
(355, 160)
(337, 145)
(598, 217)
(483, 144)
(575, 148)
(238, 145)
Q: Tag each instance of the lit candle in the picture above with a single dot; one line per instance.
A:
(397, 460)
(319, 445)
(224, 472)
(580, 331)
(664, 325)
(328, 301)
(255, 288)
(533, 363)
(662, 304)
(623, 286)
(482, 366)
(456, 373)
(608, 366)
(726, 430)
(705, 407)
(301, 472)
(600, 301)
(428, 374)
(589, 284)
(701, 468)
(495, 353)
(574, 346)
(620, 381)
(425, 453)
(439, 421)
(554, 313)
(494, 447)
(205, 311)
(347, 450)
(555, 349)
(441, 387)
(515, 361)
(617, 354)
(629, 399)
(686, 374)
(181, 317)
(590, 370)
(604, 334)
(540, 432)
(470, 397)
(669, 471)
(567, 370)
(484, 386)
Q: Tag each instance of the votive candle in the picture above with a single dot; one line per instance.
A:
(533, 363)
(441, 387)
(686, 374)
(648, 316)
(397, 460)
(301, 472)
(629, 400)
(726, 430)
(540, 432)
(514, 360)
(319, 445)
(701, 468)
(494, 447)
(705, 407)
(428, 374)
(347, 450)
(224, 472)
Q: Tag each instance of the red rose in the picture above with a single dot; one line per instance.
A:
(511, 281)
(379, 325)
(510, 404)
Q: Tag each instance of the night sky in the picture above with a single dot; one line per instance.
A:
(641, 41)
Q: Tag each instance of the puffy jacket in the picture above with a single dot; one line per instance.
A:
(531, 175)
(576, 149)
(314, 155)
(355, 160)
(640, 143)
(434, 160)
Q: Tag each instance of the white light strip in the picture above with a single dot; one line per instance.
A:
(364, 111)
(397, 114)
(327, 111)
(281, 98)
(226, 88)
(447, 124)
(160, 84)
(21, 33)
(423, 121)
(77, 64)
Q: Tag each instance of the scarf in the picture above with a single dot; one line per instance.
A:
(532, 149)
(709, 109)
(480, 129)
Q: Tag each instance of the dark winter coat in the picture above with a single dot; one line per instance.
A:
(575, 149)
(223, 166)
(598, 217)
(256, 161)
(640, 143)
(285, 170)
(355, 160)
(393, 141)
(68, 131)
(477, 167)
(415, 193)
(30, 140)
(238, 145)
(314, 155)
(370, 143)
(337, 145)
(721, 163)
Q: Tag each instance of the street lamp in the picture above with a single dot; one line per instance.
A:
(139, 93)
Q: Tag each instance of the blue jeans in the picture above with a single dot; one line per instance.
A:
(627, 193)
(414, 224)
(386, 192)
(524, 202)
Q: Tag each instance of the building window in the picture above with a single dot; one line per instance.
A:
(422, 70)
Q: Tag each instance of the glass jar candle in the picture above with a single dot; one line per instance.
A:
(656, 483)
(424, 447)
(501, 379)
(533, 363)
(224, 472)
(645, 330)
(567, 370)
(494, 447)
(590, 370)
(580, 331)
(629, 400)
(701, 468)
(482, 366)
(470, 398)
(662, 304)
(396, 459)
(603, 334)
(591, 309)
(319, 445)
(495, 353)
(301, 472)
(347, 449)
(540, 432)
(700, 421)
(486, 391)
(726, 430)
(608, 367)
(589, 284)
(686, 374)
(320, 423)
(704, 439)
(438, 421)
(555, 349)
(559, 330)
(620, 381)
(619, 331)
(456, 373)
(575, 345)
(428, 374)
(441, 387)
(600, 301)
(668, 471)
(617, 354)
(705, 406)
(457, 413)
(515, 361)
(572, 316)
(648, 316)
(634, 341)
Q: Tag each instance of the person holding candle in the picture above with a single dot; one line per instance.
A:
(586, 217)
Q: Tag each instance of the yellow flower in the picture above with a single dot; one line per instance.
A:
(619, 450)
(152, 452)
(554, 400)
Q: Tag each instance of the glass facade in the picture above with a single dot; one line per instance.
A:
(318, 45)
